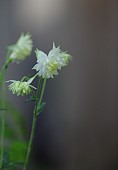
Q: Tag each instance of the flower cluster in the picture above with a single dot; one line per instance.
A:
(48, 65)
(21, 49)
(20, 88)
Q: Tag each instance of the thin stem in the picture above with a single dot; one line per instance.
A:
(30, 142)
(5, 65)
(3, 105)
(39, 88)
(34, 121)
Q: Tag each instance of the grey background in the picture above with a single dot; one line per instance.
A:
(79, 127)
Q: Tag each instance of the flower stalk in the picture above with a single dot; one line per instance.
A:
(35, 114)
(3, 104)
(16, 53)
(3, 108)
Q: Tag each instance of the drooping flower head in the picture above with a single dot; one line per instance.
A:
(21, 49)
(21, 87)
(47, 65)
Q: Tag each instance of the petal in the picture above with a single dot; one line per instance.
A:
(36, 67)
(40, 54)
(11, 81)
(54, 51)
(31, 79)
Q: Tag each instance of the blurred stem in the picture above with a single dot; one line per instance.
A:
(5, 65)
(3, 105)
(35, 119)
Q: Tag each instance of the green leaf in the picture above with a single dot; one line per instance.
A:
(13, 165)
(0, 77)
(5, 158)
(40, 107)
(9, 133)
(18, 121)
(9, 164)
(3, 109)
(17, 151)
(15, 128)
(32, 98)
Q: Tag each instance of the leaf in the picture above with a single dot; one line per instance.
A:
(9, 133)
(5, 158)
(17, 121)
(15, 128)
(17, 151)
(32, 98)
(11, 158)
(12, 165)
(0, 77)
(40, 107)
(3, 109)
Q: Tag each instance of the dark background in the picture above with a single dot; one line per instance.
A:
(79, 127)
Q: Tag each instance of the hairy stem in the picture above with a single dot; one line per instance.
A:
(34, 120)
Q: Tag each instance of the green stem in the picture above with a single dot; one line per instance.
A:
(3, 105)
(42, 92)
(34, 121)
(38, 90)
(5, 65)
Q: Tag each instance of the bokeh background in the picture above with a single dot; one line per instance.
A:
(78, 129)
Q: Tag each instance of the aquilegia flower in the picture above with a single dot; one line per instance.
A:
(21, 49)
(47, 65)
(20, 88)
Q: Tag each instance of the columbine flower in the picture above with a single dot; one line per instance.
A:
(48, 65)
(20, 88)
(21, 49)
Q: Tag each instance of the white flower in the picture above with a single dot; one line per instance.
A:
(61, 57)
(21, 49)
(20, 88)
(48, 65)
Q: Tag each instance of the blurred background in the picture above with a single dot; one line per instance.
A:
(78, 130)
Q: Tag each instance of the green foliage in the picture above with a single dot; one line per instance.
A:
(40, 107)
(0, 77)
(17, 151)
(31, 98)
(8, 164)
(15, 122)
(15, 145)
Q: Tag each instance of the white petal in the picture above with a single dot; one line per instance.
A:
(40, 54)
(31, 79)
(54, 52)
(36, 67)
